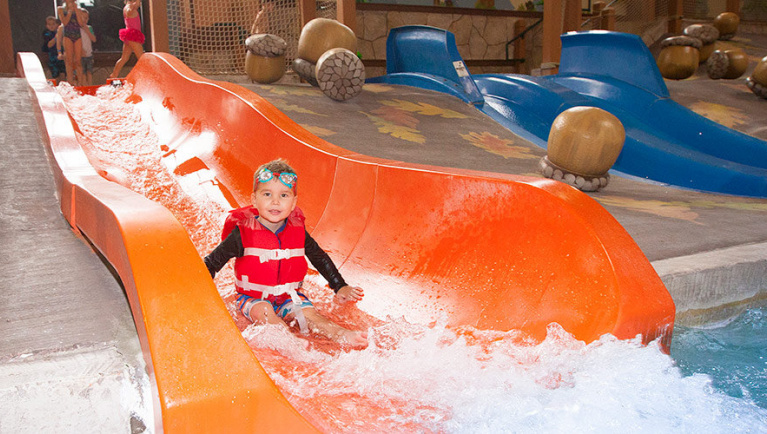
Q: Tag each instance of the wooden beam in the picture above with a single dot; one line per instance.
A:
(520, 51)
(573, 16)
(552, 29)
(347, 13)
(608, 19)
(7, 59)
(733, 6)
(158, 21)
(675, 12)
(308, 10)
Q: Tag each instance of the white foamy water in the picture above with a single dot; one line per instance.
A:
(418, 378)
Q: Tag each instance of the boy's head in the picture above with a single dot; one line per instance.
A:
(51, 23)
(274, 191)
(279, 170)
(86, 15)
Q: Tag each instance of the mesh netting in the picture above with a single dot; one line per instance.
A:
(209, 35)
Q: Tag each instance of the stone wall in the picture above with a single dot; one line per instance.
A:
(477, 36)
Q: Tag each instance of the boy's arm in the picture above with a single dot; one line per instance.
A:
(323, 263)
(230, 248)
(91, 34)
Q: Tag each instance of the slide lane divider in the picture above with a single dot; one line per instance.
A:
(205, 376)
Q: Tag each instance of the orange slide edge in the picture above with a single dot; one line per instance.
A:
(206, 377)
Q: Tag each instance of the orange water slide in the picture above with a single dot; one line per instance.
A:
(471, 248)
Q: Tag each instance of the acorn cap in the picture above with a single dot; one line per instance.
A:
(706, 33)
(266, 45)
(684, 41)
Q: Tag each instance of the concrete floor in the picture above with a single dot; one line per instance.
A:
(69, 344)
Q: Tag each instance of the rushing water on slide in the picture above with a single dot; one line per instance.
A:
(430, 378)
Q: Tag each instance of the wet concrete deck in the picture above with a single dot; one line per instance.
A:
(69, 345)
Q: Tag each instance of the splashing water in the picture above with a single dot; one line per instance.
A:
(419, 378)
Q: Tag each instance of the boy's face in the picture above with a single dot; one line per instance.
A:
(51, 25)
(274, 201)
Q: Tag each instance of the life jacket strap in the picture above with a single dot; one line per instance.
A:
(265, 255)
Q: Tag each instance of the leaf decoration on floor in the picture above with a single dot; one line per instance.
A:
(285, 107)
(377, 88)
(399, 131)
(674, 210)
(294, 90)
(423, 108)
(396, 116)
(318, 131)
(728, 116)
(499, 146)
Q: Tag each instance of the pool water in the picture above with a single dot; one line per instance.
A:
(432, 378)
(733, 354)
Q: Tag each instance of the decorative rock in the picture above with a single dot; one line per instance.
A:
(759, 90)
(340, 74)
(583, 183)
(727, 24)
(682, 41)
(305, 70)
(707, 34)
(717, 64)
(320, 35)
(758, 80)
(266, 45)
(679, 57)
(584, 143)
(728, 64)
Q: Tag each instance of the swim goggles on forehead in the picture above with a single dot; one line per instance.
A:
(286, 178)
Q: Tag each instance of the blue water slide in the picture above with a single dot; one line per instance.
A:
(665, 141)
(427, 57)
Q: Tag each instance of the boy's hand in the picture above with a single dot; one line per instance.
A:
(349, 294)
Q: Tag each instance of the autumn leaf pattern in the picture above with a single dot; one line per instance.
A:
(318, 131)
(399, 131)
(286, 108)
(722, 114)
(499, 146)
(423, 109)
(673, 210)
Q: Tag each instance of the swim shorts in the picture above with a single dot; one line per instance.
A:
(282, 304)
(87, 64)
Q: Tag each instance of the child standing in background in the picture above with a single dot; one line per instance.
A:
(72, 19)
(131, 35)
(88, 38)
(50, 47)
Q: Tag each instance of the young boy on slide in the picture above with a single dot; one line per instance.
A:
(270, 243)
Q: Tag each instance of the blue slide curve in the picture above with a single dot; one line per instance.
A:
(665, 141)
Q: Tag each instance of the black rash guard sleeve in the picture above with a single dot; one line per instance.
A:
(230, 248)
(323, 263)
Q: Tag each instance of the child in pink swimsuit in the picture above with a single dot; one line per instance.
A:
(71, 20)
(131, 35)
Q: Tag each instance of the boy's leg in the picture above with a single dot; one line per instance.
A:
(262, 312)
(334, 331)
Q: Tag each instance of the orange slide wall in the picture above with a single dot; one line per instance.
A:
(479, 249)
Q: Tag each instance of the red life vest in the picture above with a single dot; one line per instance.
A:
(272, 264)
